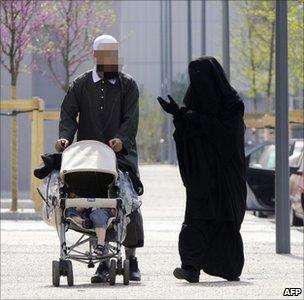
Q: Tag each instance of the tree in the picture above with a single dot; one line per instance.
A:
(19, 19)
(150, 129)
(295, 47)
(179, 87)
(66, 41)
(253, 38)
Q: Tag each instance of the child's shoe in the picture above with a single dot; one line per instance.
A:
(99, 250)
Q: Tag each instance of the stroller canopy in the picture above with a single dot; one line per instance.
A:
(88, 156)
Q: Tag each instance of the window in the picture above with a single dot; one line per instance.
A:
(263, 158)
(295, 157)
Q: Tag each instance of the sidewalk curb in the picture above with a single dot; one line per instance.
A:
(36, 216)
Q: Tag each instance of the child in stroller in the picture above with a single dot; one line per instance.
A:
(96, 218)
(91, 197)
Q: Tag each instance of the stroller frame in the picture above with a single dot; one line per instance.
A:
(63, 267)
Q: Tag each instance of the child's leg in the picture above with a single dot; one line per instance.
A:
(101, 235)
(100, 217)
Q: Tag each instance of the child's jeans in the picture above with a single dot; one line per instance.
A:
(98, 216)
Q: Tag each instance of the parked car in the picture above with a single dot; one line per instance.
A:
(260, 178)
(297, 192)
(260, 175)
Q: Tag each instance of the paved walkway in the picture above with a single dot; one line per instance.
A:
(28, 248)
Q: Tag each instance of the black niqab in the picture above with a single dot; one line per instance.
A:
(210, 150)
(209, 91)
(209, 140)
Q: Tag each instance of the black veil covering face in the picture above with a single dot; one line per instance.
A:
(210, 149)
(209, 91)
(202, 87)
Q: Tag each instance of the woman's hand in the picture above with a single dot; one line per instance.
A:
(170, 107)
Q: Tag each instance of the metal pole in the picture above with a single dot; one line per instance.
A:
(162, 71)
(161, 48)
(169, 77)
(164, 68)
(166, 42)
(189, 30)
(203, 45)
(225, 30)
(282, 205)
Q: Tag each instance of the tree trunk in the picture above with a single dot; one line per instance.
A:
(253, 79)
(255, 108)
(270, 69)
(14, 154)
(269, 81)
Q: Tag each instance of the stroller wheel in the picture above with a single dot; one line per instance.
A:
(126, 272)
(56, 272)
(69, 272)
(119, 266)
(112, 271)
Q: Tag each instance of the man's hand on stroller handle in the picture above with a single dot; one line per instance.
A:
(116, 144)
(61, 144)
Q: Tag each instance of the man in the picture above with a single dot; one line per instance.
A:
(106, 101)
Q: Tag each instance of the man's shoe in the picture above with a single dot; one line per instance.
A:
(189, 275)
(134, 270)
(102, 274)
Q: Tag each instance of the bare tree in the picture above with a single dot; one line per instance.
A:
(19, 19)
(66, 41)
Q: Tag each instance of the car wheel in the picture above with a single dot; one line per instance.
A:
(260, 214)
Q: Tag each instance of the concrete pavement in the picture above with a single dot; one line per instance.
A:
(28, 248)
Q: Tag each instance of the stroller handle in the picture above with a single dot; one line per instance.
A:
(92, 202)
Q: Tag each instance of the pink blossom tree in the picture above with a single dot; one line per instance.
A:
(66, 41)
(19, 20)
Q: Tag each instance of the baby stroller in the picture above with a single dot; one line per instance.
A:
(88, 170)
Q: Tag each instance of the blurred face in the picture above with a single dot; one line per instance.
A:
(106, 60)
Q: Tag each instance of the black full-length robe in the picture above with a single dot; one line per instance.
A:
(209, 138)
(107, 110)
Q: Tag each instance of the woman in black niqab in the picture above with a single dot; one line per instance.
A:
(209, 136)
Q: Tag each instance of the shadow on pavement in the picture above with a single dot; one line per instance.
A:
(292, 256)
(94, 286)
(219, 283)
